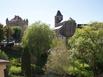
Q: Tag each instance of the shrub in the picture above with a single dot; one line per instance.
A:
(15, 70)
(3, 55)
(58, 60)
(88, 42)
(15, 62)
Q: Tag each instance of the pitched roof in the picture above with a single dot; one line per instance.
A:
(58, 13)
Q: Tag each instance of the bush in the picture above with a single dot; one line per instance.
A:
(88, 43)
(15, 62)
(80, 69)
(14, 70)
(3, 55)
(64, 62)
(58, 61)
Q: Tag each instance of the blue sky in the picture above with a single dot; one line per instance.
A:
(83, 11)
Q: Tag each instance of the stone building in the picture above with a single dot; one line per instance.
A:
(64, 28)
(58, 18)
(17, 21)
(58, 24)
(3, 64)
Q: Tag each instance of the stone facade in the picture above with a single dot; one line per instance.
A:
(58, 18)
(58, 24)
(17, 21)
(3, 64)
(65, 28)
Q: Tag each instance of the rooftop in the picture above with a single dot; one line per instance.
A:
(58, 13)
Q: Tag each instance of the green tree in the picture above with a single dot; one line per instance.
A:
(16, 34)
(26, 62)
(38, 39)
(3, 55)
(88, 42)
(1, 32)
(8, 33)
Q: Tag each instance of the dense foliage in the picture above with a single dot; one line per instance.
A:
(3, 55)
(58, 60)
(88, 42)
(37, 39)
(1, 32)
(8, 33)
(83, 58)
(16, 34)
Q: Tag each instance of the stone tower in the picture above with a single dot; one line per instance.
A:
(58, 18)
(64, 28)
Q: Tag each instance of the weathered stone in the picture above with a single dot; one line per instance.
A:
(58, 18)
(2, 67)
(17, 21)
(67, 28)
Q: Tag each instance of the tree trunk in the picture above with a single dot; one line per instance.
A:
(26, 63)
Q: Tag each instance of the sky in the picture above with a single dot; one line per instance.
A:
(83, 11)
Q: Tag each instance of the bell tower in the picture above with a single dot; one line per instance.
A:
(58, 18)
